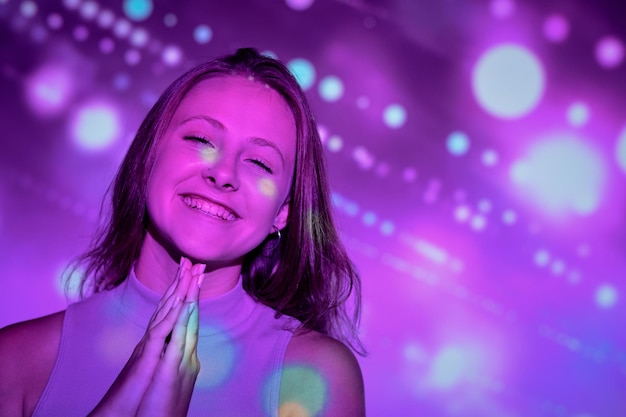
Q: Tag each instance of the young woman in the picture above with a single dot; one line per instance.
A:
(220, 287)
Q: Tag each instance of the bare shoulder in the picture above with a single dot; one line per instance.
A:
(321, 377)
(27, 353)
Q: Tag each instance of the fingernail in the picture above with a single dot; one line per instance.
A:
(200, 280)
(176, 302)
(191, 307)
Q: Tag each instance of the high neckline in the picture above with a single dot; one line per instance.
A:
(217, 314)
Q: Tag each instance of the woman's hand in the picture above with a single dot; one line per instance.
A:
(159, 377)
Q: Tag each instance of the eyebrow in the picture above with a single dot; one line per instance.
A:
(255, 140)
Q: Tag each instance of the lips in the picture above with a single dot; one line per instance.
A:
(210, 208)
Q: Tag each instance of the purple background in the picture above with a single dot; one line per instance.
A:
(491, 244)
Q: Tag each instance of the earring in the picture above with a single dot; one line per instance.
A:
(277, 232)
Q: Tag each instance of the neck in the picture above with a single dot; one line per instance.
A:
(156, 268)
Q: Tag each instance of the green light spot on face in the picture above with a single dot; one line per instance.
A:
(303, 390)
(209, 154)
(267, 187)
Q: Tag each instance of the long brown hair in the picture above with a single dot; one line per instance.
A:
(306, 274)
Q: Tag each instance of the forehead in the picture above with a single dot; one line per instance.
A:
(239, 104)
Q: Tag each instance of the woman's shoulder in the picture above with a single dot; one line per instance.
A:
(315, 366)
(27, 353)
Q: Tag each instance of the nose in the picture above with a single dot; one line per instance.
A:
(221, 171)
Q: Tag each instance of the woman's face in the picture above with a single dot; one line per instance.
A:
(223, 170)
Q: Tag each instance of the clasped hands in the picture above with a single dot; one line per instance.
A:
(160, 375)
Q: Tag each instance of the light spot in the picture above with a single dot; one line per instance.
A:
(299, 5)
(88, 10)
(502, 9)
(362, 102)
(409, 174)
(430, 251)
(81, 33)
(105, 19)
(331, 88)
(334, 143)
(484, 205)
(95, 127)
(311, 400)
(139, 38)
(303, 71)
(138, 10)
(556, 28)
(478, 222)
(267, 187)
(462, 213)
(202, 34)
(172, 55)
(106, 45)
(578, 114)
(28, 9)
(450, 367)
(387, 228)
(71, 4)
(542, 257)
(609, 52)
(363, 157)
(394, 116)
(620, 150)
(55, 21)
(458, 143)
(606, 296)
(509, 217)
(132, 57)
(489, 157)
(562, 174)
(557, 267)
(508, 81)
(170, 20)
(369, 218)
(122, 28)
(218, 354)
(49, 90)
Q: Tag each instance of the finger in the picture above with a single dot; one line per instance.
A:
(178, 290)
(155, 339)
(175, 350)
(193, 292)
(191, 341)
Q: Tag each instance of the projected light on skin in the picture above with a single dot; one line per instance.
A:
(610, 52)
(267, 187)
(95, 127)
(394, 116)
(304, 72)
(562, 174)
(330, 88)
(49, 90)
(620, 150)
(508, 81)
(303, 392)
(138, 10)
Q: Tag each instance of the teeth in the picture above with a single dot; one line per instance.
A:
(209, 208)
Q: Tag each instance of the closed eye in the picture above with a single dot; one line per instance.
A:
(261, 165)
(200, 139)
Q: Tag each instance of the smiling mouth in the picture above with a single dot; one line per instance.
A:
(209, 208)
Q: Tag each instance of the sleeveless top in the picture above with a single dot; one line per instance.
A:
(241, 347)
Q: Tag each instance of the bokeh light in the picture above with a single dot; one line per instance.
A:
(303, 70)
(489, 157)
(122, 28)
(556, 28)
(49, 90)
(138, 10)
(578, 114)
(202, 34)
(172, 55)
(88, 10)
(502, 9)
(363, 157)
(606, 296)
(542, 257)
(610, 52)
(620, 150)
(139, 37)
(334, 143)
(28, 8)
(562, 174)
(299, 4)
(105, 19)
(394, 116)
(170, 20)
(331, 88)
(96, 127)
(508, 81)
(55, 21)
(509, 217)
(458, 143)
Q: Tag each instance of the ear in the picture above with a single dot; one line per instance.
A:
(283, 214)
